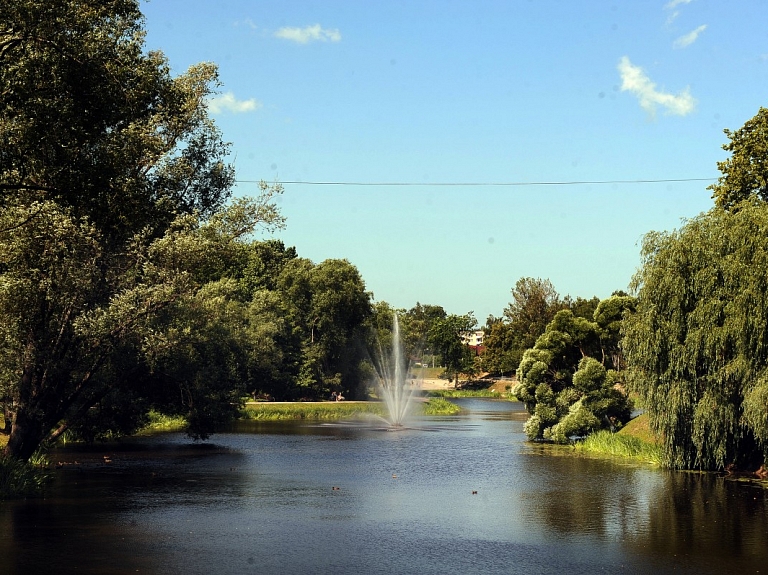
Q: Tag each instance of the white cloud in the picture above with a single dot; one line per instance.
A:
(673, 17)
(689, 38)
(248, 23)
(228, 103)
(634, 80)
(676, 3)
(308, 34)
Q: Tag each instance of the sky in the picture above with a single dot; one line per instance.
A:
(449, 148)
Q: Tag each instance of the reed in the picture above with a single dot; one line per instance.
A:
(487, 393)
(161, 422)
(268, 411)
(440, 406)
(621, 445)
(310, 410)
(23, 478)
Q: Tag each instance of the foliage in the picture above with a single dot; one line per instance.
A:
(113, 181)
(534, 303)
(500, 354)
(268, 411)
(605, 442)
(21, 478)
(415, 326)
(464, 393)
(745, 172)
(568, 392)
(697, 347)
(445, 336)
(328, 307)
(440, 406)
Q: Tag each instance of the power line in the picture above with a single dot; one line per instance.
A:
(483, 184)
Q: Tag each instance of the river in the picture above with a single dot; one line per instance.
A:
(463, 494)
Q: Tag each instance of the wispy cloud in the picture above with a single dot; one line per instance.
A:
(228, 103)
(689, 38)
(314, 33)
(671, 6)
(675, 3)
(248, 23)
(635, 80)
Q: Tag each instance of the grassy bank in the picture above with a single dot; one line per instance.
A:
(20, 479)
(159, 422)
(269, 411)
(635, 441)
(488, 393)
(440, 406)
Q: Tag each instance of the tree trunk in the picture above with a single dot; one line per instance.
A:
(26, 436)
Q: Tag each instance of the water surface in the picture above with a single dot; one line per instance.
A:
(461, 494)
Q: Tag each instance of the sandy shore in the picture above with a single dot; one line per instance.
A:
(436, 384)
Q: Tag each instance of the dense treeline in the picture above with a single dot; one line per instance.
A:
(130, 280)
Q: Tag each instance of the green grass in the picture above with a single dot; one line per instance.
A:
(22, 479)
(464, 393)
(440, 406)
(624, 445)
(268, 411)
(160, 422)
(310, 410)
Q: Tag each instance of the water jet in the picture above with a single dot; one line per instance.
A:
(397, 392)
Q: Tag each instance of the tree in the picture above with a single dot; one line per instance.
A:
(499, 356)
(534, 303)
(566, 390)
(328, 306)
(415, 325)
(113, 178)
(96, 125)
(445, 335)
(697, 346)
(745, 172)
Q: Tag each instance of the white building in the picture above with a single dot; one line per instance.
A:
(473, 338)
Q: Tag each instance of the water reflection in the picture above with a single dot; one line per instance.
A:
(462, 494)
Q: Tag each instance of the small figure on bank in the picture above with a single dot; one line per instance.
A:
(334, 397)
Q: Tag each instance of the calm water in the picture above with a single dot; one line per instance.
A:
(261, 499)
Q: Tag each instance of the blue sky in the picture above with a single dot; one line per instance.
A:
(476, 92)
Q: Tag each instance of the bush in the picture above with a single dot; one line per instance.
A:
(20, 478)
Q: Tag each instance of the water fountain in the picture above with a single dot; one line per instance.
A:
(396, 391)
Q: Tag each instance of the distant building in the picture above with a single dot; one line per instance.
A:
(474, 339)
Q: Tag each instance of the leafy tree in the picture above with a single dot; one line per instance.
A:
(697, 346)
(445, 335)
(93, 123)
(609, 316)
(328, 307)
(415, 325)
(113, 179)
(534, 304)
(745, 172)
(582, 307)
(499, 356)
(566, 390)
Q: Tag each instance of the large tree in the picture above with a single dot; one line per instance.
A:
(567, 383)
(112, 175)
(535, 302)
(697, 347)
(328, 308)
(445, 336)
(745, 172)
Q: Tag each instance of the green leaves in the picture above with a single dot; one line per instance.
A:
(567, 391)
(697, 345)
(745, 173)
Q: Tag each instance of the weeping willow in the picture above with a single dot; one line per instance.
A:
(697, 346)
